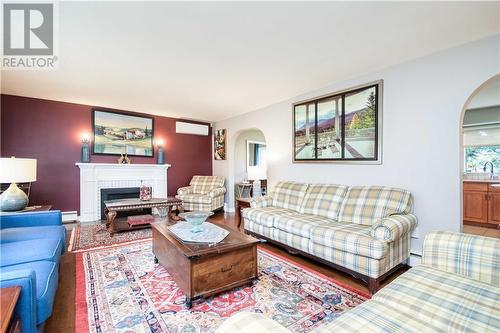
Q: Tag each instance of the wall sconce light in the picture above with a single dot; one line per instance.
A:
(85, 156)
(161, 153)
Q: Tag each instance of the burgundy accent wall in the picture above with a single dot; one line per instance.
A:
(50, 131)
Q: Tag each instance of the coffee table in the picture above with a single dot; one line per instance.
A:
(112, 207)
(202, 270)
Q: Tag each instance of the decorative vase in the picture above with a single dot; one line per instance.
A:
(145, 193)
(13, 199)
(85, 157)
(161, 156)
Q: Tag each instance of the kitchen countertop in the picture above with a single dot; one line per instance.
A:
(495, 181)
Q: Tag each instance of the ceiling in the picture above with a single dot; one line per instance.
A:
(212, 61)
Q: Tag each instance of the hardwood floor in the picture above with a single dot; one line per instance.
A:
(481, 231)
(63, 316)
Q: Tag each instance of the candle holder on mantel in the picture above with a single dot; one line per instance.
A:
(85, 155)
(161, 154)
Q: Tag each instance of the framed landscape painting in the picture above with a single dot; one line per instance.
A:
(120, 133)
(220, 144)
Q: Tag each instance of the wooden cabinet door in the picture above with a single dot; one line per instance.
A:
(494, 204)
(476, 206)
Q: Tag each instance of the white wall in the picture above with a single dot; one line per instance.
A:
(240, 152)
(422, 105)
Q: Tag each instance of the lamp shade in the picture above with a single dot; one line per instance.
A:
(17, 170)
(257, 172)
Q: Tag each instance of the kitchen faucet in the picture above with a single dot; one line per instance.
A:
(491, 168)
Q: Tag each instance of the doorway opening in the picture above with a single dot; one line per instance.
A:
(250, 164)
(481, 160)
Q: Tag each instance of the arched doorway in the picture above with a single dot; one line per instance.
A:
(480, 160)
(250, 161)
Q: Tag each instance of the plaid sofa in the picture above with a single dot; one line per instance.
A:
(364, 229)
(204, 193)
(455, 289)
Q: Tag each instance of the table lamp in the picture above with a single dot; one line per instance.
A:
(256, 173)
(16, 170)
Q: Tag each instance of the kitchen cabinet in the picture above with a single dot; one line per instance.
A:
(481, 202)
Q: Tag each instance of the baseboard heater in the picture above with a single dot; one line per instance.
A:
(190, 128)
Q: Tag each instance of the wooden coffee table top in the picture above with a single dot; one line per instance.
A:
(233, 241)
(7, 305)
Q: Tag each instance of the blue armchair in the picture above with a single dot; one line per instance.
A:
(31, 245)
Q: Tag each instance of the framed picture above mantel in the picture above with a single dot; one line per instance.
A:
(117, 133)
(341, 127)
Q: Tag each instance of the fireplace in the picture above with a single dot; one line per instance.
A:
(121, 193)
(97, 176)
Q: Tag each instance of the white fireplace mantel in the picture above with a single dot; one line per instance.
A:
(97, 176)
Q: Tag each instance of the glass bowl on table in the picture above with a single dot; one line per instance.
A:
(196, 219)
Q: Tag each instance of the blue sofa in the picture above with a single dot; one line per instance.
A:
(31, 245)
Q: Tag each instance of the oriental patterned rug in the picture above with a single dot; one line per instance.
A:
(120, 289)
(84, 237)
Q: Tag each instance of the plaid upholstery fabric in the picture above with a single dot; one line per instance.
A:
(425, 299)
(261, 202)
(366, 204)
(216, 192)
(350, 237)
(289, 195)
(323, 200)
(266, 215)
(250, 322)
(203, 184)
(185, 190)
(299, 224)
(397, 252)
(196, 198)
(204, 193)
(295, 241)
(473, 256)
(393, 227)
(258, 228)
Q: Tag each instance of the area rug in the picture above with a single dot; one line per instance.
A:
(84, 237)
(120, 289)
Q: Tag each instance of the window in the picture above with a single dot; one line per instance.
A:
(343, 126)
(476, 157)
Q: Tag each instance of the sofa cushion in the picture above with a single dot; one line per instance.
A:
(195, 198)
(46, 275)
(203, 184)
(367, 204)
(349, 237)
(289, 195)
(299, 224)
(323, 200)
(265, 216)
(30, 250)
(446, 302)
(8, 235)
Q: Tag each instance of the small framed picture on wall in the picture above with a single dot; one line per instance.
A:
(220, 144)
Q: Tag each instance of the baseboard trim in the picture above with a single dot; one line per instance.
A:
(70, 216)
(415, 259)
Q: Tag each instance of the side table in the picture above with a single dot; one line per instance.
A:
(240, 204)
(9, 323)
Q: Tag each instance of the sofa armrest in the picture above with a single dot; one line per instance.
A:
(473, 256)
(26, 304)
(393, 227)
(185, 190)
(261, 202)
(51, 217)
(216, 192)
(250, 322)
